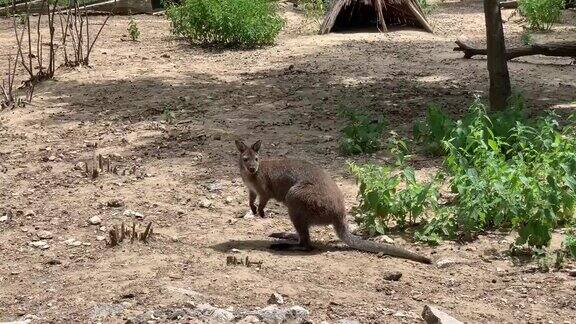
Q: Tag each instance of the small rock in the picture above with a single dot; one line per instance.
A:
(72, 242)
(115, 203)
(384, 239)
(271, 314)
(165, 55)
(95, 220)
(80, 166)
(347, 321)
(445, 263)
(39, 244)
(235, 251)
(44, 235)
(102, 228)
(214, 187)
(100, 238)
(392, 275)
(432, 315)
(222, 315)
(248, 215)
(51, 158)
(228, 200)
(249, 319)
(404, 314)
(297, 313)
(3, 218)
(276, 299)
(132, 213)
(572, 273)
(205, 203)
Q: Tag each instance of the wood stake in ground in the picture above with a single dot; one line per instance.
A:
(500, 89)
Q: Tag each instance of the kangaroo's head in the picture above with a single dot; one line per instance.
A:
(249, 156)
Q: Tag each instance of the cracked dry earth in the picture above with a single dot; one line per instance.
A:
(182, 176)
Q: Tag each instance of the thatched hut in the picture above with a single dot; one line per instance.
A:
(381, 14)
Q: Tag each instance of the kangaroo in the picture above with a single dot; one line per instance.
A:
(311, 196)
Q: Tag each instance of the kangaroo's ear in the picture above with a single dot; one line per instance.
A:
(256, 146)
(241, 146)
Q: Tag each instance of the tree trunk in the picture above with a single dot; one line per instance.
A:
(560, 49)
(500, 89)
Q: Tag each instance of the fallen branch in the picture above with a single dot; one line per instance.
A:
(512, 4)
(560, 49)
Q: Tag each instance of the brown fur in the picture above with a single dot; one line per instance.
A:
(311, 196)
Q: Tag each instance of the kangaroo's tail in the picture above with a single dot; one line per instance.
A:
(358, 243)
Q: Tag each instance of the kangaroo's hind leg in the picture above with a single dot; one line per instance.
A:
(303, 236)
(298, 209)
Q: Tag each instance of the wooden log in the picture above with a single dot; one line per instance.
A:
(512, 4)
(559, 49)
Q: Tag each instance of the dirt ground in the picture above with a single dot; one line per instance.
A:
(183, 178)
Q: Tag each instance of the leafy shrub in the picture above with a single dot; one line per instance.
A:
(236, 23)
(133, 30)
(362, 134)
(541, 14)
(505, 173)
(383, 202)
(570, 244)
(314, 9)
(426, 6)
(438, 127)
(527, 38)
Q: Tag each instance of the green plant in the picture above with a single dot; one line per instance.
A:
(233, 23)
(361, 135)
(133, 29)
(527, 38)
(168, 114)
(314, 9)
(541, 14)
(570, 244)
(436, 128)
(426, 6)
(390, 198)
(505, 172)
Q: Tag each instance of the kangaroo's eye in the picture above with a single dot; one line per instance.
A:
(245, 159)
(256, 158)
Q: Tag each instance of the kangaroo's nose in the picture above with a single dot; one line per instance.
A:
(252, 169)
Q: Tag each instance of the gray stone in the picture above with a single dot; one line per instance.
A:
(297, 313)
(44, 235)
(447, 262)
(95, 220)
(271, 314)
(222, 315)
(39, 244)
(276, 298)
(205, 203)
(132, 213)
(433, 315)
(392, 275)
(3, 218)
(384, 239)
(249, 319)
